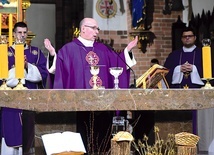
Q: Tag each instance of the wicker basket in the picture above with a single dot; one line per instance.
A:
(186, 139)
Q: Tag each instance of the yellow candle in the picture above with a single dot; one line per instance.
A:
(4, 61)
(10, 29)
(0, 23)
(19, 61)
(207, 67)
(0, 64)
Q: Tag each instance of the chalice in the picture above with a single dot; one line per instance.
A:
(95, 71)
(116, 72)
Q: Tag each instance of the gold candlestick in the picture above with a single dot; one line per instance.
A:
(4, 85)
(20, 86)
(207, 85)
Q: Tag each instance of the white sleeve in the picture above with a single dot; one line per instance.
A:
(51, 69)
(177, 76)
(195, 78)
(129, 61)
(33, 74)
(12, 81)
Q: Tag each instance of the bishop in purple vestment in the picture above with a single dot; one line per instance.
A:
(73, 64)
(75, 59)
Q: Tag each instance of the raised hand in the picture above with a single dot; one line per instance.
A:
(132, 44)
(49, 47)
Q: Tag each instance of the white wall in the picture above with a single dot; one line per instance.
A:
(197, 7)
(119, 22)
(41, 21)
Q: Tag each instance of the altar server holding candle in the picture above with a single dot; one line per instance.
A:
(35, 72)
(14, 140)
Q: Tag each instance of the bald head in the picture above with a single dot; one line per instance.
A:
(89, 29)
(86, 21)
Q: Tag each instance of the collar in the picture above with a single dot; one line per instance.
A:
(86, 43)
(185, 49)
(25, 46)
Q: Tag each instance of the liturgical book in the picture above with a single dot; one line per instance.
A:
(153, 77)
(67, 141)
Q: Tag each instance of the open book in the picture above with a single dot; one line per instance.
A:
(63, 142)
(153, 77)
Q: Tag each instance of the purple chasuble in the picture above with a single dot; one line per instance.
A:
(179, 57)
(11, 126)
(73, 71)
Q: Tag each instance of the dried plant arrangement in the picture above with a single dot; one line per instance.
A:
(94, 147)
(160, 146)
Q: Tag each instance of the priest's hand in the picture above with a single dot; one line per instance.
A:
(49, 47)
(132, 44)
(186, 67)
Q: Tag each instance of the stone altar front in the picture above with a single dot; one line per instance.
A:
(108, 99)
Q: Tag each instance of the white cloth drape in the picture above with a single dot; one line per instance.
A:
(205, 121)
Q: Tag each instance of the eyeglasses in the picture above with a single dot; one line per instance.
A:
(188, 36)
(93, 27)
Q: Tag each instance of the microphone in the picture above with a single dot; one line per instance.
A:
(132, 85)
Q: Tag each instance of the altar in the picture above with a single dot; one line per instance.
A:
(70, 101)
(107, 99)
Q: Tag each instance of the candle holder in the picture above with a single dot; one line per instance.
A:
(207, 84)
(4, 85)
(206, 42)
(3, 39)
(20, 86)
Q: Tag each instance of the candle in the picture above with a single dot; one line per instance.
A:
(0, 23)
(19, 61)
(10, 29)
(4, 61)
(206, 55)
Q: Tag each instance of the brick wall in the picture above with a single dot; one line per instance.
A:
(161, 27)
